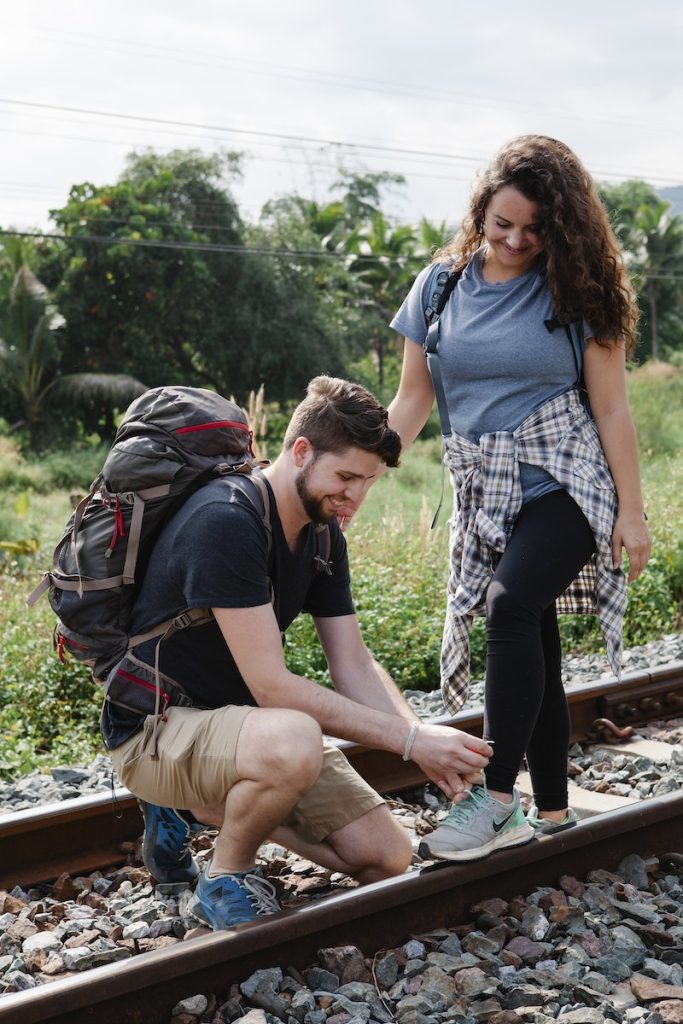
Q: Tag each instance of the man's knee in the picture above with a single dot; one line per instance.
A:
(395, 857)
(375, 846)
(280, 744)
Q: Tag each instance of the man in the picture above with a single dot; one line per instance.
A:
(251, 759)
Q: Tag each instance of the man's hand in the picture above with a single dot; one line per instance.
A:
(450, 758)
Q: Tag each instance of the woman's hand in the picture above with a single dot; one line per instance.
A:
(632, 534)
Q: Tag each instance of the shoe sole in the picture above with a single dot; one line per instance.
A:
(195, 909)
(554, 828)
(515, 837)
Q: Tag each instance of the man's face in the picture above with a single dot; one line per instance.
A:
(332, 485)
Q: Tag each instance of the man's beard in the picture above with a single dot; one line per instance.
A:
(314, 507)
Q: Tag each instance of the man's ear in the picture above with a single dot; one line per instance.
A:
(302, 451)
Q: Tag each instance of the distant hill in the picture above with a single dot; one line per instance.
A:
(674, 195)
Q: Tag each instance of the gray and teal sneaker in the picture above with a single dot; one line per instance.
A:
(546, 826)
(476, 827)
(166, 844)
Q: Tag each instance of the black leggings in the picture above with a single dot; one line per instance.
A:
(526, 709)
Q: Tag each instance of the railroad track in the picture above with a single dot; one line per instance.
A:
(146, 987)
(82, 835)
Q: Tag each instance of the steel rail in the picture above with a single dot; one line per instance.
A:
(144, 989)
(81, 835)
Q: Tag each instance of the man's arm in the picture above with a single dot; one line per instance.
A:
(254, 640)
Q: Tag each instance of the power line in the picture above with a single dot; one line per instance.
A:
(340, 144)
(242, 131)
(212, 247)
(218, 247)
(350, 82)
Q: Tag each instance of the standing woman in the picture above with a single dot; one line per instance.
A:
(546, 494)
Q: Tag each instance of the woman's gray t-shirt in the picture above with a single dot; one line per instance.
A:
(498, 360)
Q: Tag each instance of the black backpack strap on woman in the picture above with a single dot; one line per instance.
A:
(445, 283)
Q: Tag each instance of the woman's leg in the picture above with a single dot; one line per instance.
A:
(547, 749)
(551, 542)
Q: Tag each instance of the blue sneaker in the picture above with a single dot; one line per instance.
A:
(227, 900)
(477, 826)
(165, 848)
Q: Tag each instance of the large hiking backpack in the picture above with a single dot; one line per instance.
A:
(171, 441)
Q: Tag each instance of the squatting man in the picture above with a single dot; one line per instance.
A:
(255, 764)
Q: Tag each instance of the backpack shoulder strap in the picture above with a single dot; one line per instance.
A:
(573, 328)
(323, 543)
(445, 283)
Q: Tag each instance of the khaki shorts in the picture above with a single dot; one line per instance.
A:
(196, 768)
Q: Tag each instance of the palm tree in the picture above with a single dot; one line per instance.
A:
(381, 258)
(659, 259)
(29, 354)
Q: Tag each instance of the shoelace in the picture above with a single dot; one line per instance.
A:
(261, 894)
(460, 813)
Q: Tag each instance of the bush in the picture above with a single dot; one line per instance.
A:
(655, 393)
(399, 583)
(48, 711)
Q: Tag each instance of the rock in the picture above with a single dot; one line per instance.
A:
(319, 978)
(44, 941)
(268, 979)
(670, 1011)
(495, 907)
(613, 967)
(645, 989)
(19, 981)
(21, 929)
(82, 958)
(572, 886)
(386, 970)
(480, 945)
(529, 951)
(138, 930)
(63, 888)
(586, 1015)
(534, 924)
(10, 904)
(195, 1005)
(347, 962)
(473, 982)
(632, 869)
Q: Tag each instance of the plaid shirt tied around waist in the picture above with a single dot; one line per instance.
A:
(561, 438)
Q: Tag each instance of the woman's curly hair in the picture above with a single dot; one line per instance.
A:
(584, 262)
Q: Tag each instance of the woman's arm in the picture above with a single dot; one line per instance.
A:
(412, 404)
(605, 375)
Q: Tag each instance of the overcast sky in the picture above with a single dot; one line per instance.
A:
(424, 89)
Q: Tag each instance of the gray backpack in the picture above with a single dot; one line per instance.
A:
(171, 441)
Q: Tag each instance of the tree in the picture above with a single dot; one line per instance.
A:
(659, 263)
(383, 266)
(653, 240)
(135, 288)
(29, 352)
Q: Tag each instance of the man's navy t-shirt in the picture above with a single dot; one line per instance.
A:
(213, 553)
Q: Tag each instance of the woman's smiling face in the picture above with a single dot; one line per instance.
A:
(512, 231)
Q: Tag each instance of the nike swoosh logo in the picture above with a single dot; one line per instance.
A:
(498, 825)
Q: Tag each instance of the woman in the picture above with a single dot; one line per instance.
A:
(536, 506)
